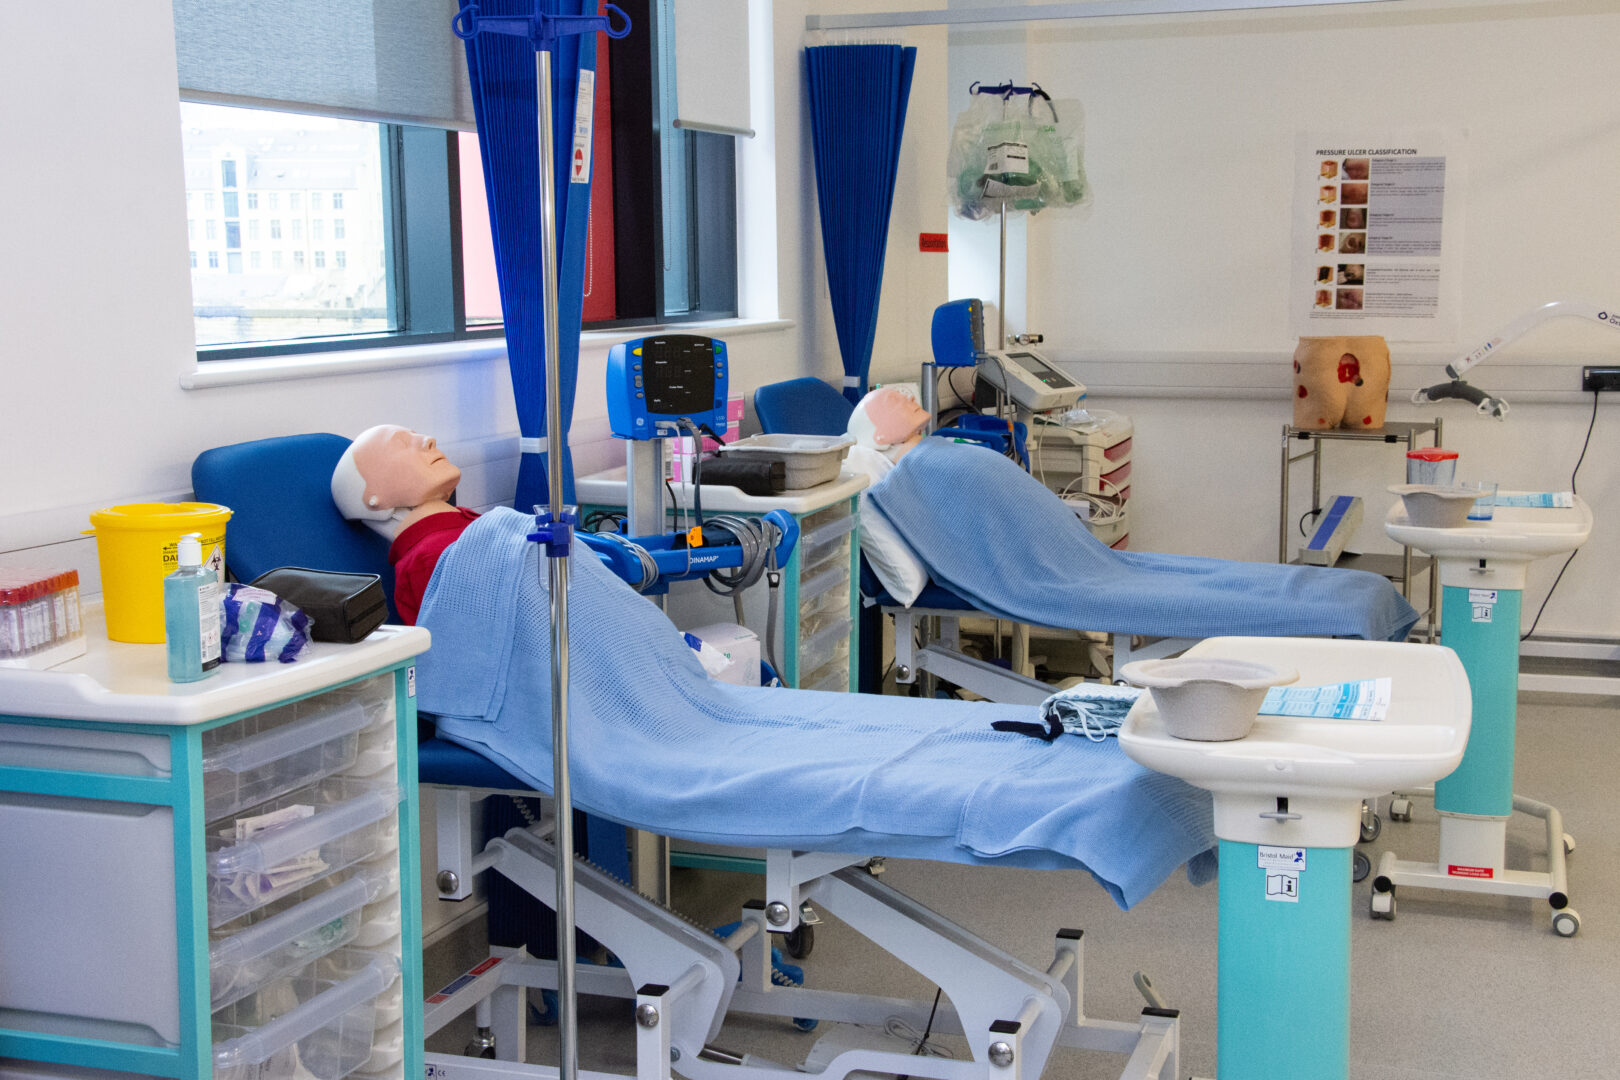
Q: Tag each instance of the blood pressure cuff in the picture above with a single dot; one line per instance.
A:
(344, 607)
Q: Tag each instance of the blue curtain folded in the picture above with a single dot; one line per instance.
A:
(858, 97)
(506, 104)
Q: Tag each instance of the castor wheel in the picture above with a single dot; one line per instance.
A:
(1383, 905)
(1569, 844)
(1371, 826)
(1566, 923)
(800, 941)
(1400, 809)
(1360, 867)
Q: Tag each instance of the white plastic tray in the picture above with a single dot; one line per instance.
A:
(811, 460)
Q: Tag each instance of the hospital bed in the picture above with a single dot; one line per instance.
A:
(1129, 827)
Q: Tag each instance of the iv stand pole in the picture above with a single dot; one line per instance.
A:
(567, 1000)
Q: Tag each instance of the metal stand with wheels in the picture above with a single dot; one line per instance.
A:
(1482, 574)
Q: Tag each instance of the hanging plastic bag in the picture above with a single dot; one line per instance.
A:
(1011, 148)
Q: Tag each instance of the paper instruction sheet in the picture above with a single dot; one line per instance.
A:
(1367, 699)
(1375, 235)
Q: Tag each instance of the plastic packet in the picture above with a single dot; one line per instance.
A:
(257, 625)
(1017, 150)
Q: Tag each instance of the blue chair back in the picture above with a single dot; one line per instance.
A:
(802, 407)
(280, 494)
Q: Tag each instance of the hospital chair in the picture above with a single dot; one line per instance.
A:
(682, 979)
(801, 407)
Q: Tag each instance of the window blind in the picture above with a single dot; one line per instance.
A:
(711, 65)
(392, 61)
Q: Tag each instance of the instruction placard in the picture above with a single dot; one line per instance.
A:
(1375, 236)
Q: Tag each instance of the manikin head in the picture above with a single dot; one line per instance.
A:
(387, 472)
(889, 421)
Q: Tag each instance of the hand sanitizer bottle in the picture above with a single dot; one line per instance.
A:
(191, 599)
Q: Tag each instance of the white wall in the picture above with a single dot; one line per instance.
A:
(95, 306)
(1170, 289)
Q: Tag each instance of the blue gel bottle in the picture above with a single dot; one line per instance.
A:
(191, 598)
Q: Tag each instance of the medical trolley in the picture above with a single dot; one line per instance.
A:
(217, 878)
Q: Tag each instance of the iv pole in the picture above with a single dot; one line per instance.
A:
(554, 526)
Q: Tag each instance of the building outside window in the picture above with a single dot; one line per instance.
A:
(230, 204)
(337, 200)
(316, 228)
(191, 229)
(213, 260)
(314, 202)
(275, 260)
(275, 199)
(342, 258)
(253, 229)
(253, 200)
(275, 228)
(298, 260)
(233, 234)
(253, 260)
(227, 173)
(320, 260)
(293, 198)
(297, 228)
(208, 200)
(337, 229)
(210, 228)
(194, 260)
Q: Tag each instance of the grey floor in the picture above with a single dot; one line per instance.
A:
(1456, 987)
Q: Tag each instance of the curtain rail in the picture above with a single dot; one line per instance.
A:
(1022, 13)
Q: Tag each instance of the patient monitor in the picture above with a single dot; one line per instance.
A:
(1029, 379)
(656, 385)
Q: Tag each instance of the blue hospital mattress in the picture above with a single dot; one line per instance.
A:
(993, 534)
(655, 744)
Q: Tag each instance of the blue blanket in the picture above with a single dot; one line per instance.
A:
(656, 744)
(995, 536)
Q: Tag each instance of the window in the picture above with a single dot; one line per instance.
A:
(191, 229)
(409, 202)
(208, 200)
(227, 173)
(213, 260)
(194, 260)
(233, 262)
(210, 228)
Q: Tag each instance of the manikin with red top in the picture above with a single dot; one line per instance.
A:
(399, 482)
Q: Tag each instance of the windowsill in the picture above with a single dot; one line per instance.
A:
(397, 357)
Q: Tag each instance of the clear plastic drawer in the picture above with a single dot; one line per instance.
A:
(833, 677)
(275, 752)
(818, 544)
(377, 752)
(816, 586)
(302, 1028)
(326, 827)
(285, 940)
(820, 647)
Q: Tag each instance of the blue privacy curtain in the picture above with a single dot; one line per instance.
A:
(505, 102)
(858, 99)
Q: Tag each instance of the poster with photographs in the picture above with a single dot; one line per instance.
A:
(1376, 236)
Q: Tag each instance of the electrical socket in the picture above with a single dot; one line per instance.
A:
(1594, 379)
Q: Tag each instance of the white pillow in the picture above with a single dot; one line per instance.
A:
(890, 557)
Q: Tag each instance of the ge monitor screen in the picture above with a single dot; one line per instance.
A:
(679, 375)
(1043, 371)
